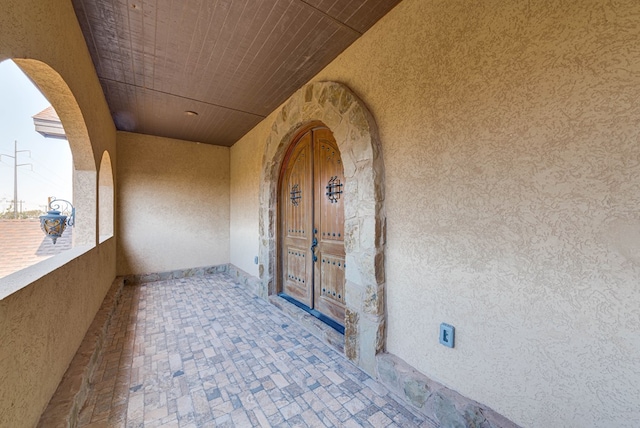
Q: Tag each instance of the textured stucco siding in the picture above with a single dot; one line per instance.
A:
(173, 202)
(244, 207)
(511, 146)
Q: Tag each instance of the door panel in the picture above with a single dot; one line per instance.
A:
(296, 211)
(312, 212)
(329, 223)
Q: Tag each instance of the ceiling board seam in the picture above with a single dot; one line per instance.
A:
(226, 47)
(93, 39)
(296, 85)
(337, 21)
(247, 33)
(264, 42)
(235, 72)
(300, 41)
(184, 98)
(206, 34)
(193, 37)
(155, 45)
(274, 60)
(215, 45)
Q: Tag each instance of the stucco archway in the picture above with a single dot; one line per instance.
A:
(355, 131)
(105, 198)
(56, 90)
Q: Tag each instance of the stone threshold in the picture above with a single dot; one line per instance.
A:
(71, 394)
(312, 324)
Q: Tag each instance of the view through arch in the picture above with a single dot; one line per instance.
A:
(35, 164)
(52, 87)
(105, 198)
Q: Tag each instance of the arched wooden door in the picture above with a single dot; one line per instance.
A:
(311, 226)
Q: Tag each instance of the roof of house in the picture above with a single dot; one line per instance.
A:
(48, 124)
(23, 244)
(47, 114)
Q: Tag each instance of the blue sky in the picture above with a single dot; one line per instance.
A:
(51, 158)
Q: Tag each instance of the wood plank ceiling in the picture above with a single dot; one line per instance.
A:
(231, 61)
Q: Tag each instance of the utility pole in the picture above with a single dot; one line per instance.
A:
(15, 174)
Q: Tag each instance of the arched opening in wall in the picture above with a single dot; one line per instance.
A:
(63, 119)
(356, 137)
(311, 256)
(35, 164)
(105, 198)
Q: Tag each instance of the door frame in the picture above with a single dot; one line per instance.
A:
(309, 127)
(335, 106)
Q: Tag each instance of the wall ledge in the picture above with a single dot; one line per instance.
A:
(434, 399)
(65, 405)
(16, 281)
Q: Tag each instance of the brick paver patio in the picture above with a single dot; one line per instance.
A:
(204, 352)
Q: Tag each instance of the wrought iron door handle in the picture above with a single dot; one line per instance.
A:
(314, 244)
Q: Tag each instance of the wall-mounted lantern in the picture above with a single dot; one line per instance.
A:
(53, 223)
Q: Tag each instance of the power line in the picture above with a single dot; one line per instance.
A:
(50, 171)
(42, 179)
(16, 165)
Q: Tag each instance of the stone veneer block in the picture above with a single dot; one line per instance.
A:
(435, 400)
(66, 402)
(242, 277)
(351, 334)
(311, 323)
(175, 274)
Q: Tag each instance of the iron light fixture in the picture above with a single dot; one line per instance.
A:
(53, 223)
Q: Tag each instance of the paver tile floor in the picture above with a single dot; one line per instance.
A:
(205, 352)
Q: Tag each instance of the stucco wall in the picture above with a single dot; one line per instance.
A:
(42, 324)
(245, 203)
(511, 148)
(173, 204)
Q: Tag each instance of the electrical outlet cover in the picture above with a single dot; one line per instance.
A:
(447, 335)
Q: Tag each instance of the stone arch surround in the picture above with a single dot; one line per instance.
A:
(355, 132)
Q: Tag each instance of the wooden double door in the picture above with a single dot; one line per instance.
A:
(311, 226)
